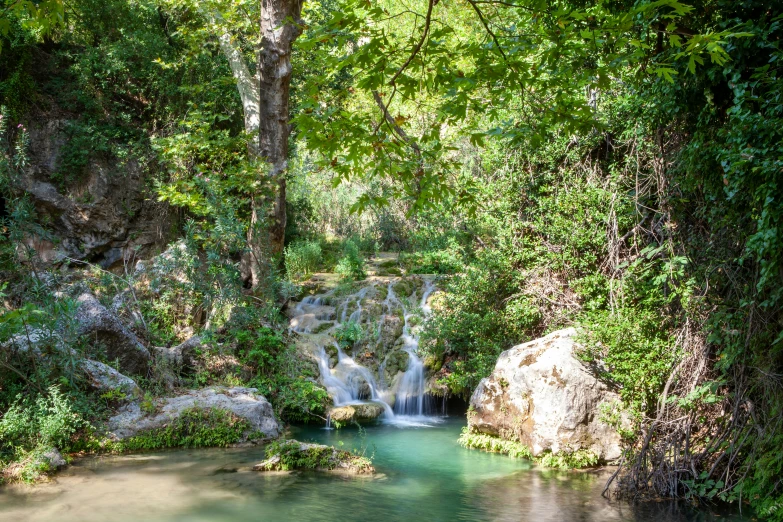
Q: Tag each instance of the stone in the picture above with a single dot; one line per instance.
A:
(543, 396)
(51, 460)
(100, 325)
(364, 412)
(243, 402)
(104, 378)
(183, 356)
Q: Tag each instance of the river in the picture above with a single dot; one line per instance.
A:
(423, 474)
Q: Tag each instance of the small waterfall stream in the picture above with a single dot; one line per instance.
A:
(350, 383)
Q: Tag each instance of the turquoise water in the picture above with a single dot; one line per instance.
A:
(422, 475)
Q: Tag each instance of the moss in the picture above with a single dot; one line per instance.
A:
(403, 289)
(323, 327)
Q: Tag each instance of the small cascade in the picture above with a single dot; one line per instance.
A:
(411, 399)
(351, 383)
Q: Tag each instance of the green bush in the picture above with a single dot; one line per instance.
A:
(348, 334)
(302, 258)
(351, 265)
(30, 428)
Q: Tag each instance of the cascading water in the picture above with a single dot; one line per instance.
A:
(348, 382)
(411, 399)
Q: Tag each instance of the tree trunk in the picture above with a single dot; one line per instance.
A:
(279, 29)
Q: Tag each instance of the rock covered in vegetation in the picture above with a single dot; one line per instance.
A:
(543, 396)
(356, 412)
(99, 325)
(290, 455)
(134, 419)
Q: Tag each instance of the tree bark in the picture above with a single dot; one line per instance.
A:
(280, 26)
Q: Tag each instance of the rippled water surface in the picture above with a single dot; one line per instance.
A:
(423, 475)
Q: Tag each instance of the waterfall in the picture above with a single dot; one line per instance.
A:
(351, 383)
(411, 399)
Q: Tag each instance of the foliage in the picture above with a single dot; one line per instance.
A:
(351, 265)
(30, 428)
(562, 460)
(302, 258)
(49, 421)
(568, 460)
(281, 374)
(348, 333)
(485, 442)
(193, 428)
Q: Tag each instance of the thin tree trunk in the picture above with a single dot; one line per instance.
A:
(279, 28)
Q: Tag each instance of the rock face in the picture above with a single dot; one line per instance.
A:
(356, 412)
(104, 214)
(101, 326)
(243, 402)
(542, 395)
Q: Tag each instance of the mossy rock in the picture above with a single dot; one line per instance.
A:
(396, 362)
(331, 351)
(289, 455)
(323, 327)
(383, 292)
(389, 263)
(403, 288)
(389, 272)
(433, 364)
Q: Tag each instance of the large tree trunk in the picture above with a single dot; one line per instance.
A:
(279, 28)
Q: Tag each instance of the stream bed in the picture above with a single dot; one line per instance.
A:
(423, 474)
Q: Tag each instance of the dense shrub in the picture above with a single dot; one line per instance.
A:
(351, 264)
(302, 258)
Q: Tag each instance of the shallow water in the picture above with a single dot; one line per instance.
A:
(423, 475)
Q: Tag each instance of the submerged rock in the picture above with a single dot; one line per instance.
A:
(293, 455)
(131, 420)
(356, 412)
(543, 396)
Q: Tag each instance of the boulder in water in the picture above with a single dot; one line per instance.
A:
(543, 396)
(363, 412)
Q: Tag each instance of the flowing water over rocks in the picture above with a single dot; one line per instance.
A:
(365, 340)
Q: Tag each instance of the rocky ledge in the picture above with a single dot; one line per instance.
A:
(365, 412)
